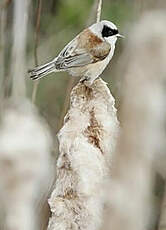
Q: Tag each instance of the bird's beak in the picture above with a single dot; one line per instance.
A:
(120, 36)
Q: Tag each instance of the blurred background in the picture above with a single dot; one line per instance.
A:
(59, 22)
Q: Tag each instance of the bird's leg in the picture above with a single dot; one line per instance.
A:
(86, 80)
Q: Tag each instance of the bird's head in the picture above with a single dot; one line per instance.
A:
(106, 30)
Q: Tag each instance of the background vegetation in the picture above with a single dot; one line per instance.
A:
(60, 21)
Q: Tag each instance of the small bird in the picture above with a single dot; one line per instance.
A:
(86, 56)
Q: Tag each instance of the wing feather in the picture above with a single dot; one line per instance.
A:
(83, 50)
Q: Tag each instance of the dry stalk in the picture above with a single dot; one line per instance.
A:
(2, 52)
(36, 83)
(18, 68)
(99, 11)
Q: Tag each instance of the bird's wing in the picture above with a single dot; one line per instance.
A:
(85, 49)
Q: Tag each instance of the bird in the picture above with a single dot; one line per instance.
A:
(86, 56)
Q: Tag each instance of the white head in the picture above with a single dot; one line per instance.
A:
(106, 30)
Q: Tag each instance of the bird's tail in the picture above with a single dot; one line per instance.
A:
(42, 70)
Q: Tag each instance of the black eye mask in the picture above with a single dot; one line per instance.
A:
(107, 31)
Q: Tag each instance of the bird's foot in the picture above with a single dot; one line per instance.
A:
(86, 81)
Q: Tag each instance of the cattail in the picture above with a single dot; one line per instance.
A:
(24, 165)
(87, 141)
(142, 116)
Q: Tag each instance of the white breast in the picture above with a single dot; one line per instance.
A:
(92, 71)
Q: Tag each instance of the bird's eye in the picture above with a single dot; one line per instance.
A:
(107, 31)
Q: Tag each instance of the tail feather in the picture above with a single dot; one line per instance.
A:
(42, 70)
